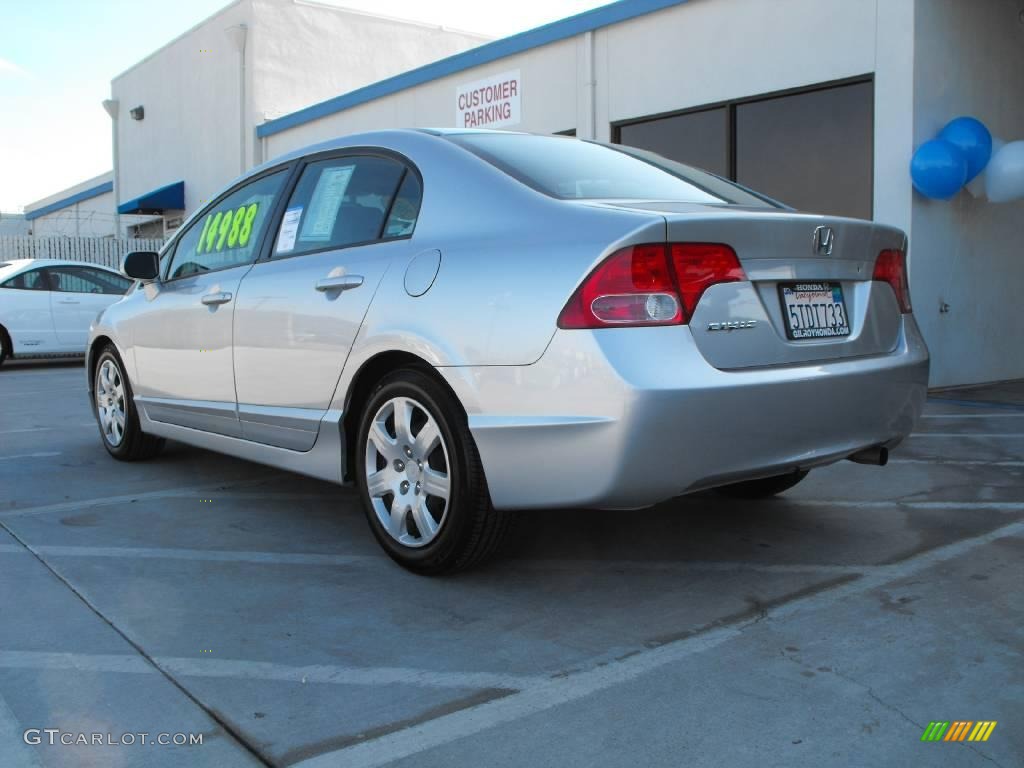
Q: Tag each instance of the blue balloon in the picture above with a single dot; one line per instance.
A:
(938, 169)
(971, 137)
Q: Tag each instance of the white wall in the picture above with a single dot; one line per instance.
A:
(706, 51)
(297, 53)
(894, 114)
(189, 89)
(93, 217)
(700, 52)
(548, 101)
(969, 59)
(304, 53)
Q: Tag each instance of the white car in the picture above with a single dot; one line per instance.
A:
(47, 305)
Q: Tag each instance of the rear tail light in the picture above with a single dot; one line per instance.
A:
(698, 266)
(642, 285)
(891, 268)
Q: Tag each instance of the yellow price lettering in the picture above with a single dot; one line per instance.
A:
(230, 228)
(245, 231)
(236, 225)
(211, 234)
(202, 235)
(225, 225)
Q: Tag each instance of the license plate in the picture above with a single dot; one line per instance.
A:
(814, 310)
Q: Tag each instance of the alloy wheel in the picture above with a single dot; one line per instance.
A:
(408, 476)
(110, 404)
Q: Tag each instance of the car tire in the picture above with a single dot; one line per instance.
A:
(5, 351)
(414, 461)
(763, 487)
(115, 412)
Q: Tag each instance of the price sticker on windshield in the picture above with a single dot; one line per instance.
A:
(228, 229)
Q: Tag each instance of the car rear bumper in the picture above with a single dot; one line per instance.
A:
(625, 418)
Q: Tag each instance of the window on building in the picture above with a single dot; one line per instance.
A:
(340, 202)
(813, 150)
(149, 230)
(86, 280)
(700, 139)
(229, 232)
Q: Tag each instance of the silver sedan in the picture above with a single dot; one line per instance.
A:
(467, 323)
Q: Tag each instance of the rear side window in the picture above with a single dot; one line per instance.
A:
(32, 280)
(406, 208)
(86, 280)
(339, 202)
(229, 233)
(571, 170)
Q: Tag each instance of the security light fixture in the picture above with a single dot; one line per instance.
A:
(137, 113)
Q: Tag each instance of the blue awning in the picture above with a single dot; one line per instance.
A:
(169, 198)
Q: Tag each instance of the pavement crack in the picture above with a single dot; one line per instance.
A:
(875, 697)
(893, 708)
(229, 729)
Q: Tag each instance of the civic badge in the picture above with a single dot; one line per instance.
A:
(732, 325)
(824, 239)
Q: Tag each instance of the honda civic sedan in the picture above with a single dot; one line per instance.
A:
(467, 323)
(47, 305)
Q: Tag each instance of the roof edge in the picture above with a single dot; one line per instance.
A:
(396, 19)
(177, 38)
(553, 32)
(67, 202)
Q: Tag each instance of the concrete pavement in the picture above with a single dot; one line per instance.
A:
(198, 594)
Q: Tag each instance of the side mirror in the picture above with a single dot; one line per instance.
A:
(141, 265)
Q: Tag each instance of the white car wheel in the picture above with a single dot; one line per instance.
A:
(407, 476)
(110, 401)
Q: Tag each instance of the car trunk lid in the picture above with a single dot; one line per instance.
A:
(817, 258)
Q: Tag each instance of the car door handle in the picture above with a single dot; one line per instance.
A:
(222, 297)
(340, 283)
(68, 301)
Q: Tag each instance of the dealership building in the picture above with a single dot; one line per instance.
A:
(818, 103)
(183, 120)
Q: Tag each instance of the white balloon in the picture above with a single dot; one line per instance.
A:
(976, 186)
(1004, 175)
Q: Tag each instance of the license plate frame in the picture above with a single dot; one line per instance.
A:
(814, 316)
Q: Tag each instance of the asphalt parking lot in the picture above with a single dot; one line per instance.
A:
(199, 594)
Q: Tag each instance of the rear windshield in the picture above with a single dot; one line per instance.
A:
(571, 169)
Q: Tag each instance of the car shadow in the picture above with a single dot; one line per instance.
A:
(703, 526)
(41, 364)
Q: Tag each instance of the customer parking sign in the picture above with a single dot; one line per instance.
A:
(489, 103)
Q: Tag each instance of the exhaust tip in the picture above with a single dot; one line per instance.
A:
(877, 455)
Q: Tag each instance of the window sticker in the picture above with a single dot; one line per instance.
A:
(289, 227)
(324, 205)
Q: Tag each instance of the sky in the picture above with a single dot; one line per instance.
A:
(57, 58)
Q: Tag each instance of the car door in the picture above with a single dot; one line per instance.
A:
(77, 295)
(25, 313)
(299, 309)
(182, 341)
